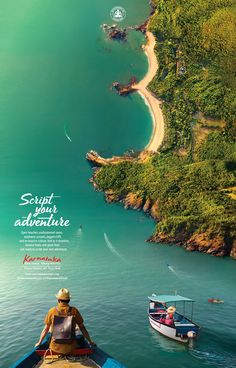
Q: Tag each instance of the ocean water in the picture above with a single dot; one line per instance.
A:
(56, 69)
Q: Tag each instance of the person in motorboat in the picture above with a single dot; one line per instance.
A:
(61, 321)
(160, 307)
(215, 300)
(169, 320)
(162, 318)
(170, 323)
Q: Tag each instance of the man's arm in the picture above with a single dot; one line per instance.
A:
(43, 335)
(86, 334)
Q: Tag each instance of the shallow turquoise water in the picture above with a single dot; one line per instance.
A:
(56, 68)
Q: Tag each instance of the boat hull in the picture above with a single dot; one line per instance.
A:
(98, 356)
(166, 330)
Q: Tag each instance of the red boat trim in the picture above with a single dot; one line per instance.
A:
(76, 352)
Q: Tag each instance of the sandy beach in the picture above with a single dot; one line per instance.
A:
(153, 103)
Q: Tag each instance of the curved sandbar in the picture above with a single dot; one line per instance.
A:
(153, 103)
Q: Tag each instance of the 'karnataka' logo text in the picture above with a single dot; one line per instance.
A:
(28, 259)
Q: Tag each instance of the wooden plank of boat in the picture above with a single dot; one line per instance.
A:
(66, 364)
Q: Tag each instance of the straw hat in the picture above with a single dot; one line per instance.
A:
(63, 294)
(171, 309)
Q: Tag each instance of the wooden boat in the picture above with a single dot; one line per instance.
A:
(215, 300)
(167, 321)
(82, 357)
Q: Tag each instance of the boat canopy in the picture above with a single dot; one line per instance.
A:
(169, 298)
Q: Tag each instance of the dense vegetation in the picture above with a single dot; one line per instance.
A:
(196, 51)
(191, 197)
(192, 180)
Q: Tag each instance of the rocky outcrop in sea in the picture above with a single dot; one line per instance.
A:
(120, 34)
(125, 89)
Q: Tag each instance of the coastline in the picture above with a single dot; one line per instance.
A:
(152, 102)
(167, 188)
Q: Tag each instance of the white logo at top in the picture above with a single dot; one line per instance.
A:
(118, 13)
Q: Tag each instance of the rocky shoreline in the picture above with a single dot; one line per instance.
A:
(201, 242)
(95, 159)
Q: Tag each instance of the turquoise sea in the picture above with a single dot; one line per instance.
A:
(56, 69)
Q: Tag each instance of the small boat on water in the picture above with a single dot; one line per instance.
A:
(84, 356)
(165, 319)
(215, 300)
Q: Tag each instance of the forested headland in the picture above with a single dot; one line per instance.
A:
(189, 186)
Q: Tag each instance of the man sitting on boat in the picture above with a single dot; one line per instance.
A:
(61, 321)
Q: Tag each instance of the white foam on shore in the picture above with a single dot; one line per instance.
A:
(154, 122)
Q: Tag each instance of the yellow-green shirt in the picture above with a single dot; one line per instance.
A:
(63, 309)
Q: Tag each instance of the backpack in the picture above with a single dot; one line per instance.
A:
(63, 328)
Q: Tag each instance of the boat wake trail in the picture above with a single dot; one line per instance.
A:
(113, 249)
(79, 232)
(222, 360)
(171, 269)
(66, 134)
